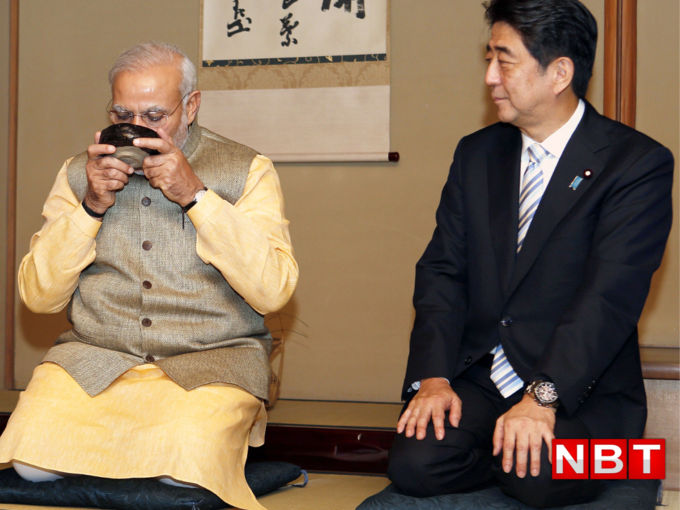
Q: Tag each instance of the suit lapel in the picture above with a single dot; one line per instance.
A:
(579, 155)
(503, 182)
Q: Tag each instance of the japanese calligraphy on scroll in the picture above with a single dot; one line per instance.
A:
(298, 79)
(271, 32)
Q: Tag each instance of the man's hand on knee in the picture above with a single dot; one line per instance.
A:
(523, 429)
(433, 399)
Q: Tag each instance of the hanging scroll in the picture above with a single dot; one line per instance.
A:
(298, 80)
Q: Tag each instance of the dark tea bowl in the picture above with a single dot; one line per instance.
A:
(121, 137)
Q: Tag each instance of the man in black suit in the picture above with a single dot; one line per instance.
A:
(527, 298)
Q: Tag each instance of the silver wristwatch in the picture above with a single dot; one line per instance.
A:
(544, 394)
(199, 195)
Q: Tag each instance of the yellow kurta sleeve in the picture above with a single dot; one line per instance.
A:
(65, 246)
(249, 241)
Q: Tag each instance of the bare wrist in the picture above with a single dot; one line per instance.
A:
(435, 380)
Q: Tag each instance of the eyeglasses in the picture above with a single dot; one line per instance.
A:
(151, 119)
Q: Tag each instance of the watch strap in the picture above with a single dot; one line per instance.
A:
(186, 208)
(92, 213)
(531, 390)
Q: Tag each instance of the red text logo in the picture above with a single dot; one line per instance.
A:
(570, 459)
(647, 459)
(609, 459)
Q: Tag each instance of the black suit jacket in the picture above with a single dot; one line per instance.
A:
(573, 296)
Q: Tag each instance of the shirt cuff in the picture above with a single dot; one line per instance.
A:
(85, 223)
(205, 209)
(416, 385)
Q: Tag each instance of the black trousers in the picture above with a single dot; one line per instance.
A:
(463, 461)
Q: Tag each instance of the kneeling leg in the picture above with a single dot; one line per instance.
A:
(542, 491)
(458, 463)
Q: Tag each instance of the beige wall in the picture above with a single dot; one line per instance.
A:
(4, 127)
(658, 115)
(358, 229)
(66, 50)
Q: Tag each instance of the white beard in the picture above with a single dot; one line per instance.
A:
(180, 136)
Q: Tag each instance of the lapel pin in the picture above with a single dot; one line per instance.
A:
(588, 174)
(574, 184)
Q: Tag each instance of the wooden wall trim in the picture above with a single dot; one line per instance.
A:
(12, 193)
(330, 449)
(620, 60)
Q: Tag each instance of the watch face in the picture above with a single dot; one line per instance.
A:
(546, 392)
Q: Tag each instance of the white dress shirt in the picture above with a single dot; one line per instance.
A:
(554, 144)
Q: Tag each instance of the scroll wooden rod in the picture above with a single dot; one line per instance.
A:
(10, 279)
(620, 60)
(340, 157)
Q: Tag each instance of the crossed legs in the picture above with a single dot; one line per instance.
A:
(34, 474)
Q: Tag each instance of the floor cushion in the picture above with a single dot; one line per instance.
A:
(620, 495)
(138, 493)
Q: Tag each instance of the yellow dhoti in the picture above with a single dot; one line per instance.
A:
(142, 426)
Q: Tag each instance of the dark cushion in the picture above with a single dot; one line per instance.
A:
(620, 495)
(137, 493)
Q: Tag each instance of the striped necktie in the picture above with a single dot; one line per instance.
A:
(532, 191)
(502, 373)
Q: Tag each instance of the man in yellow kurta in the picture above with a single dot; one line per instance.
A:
(167, 272)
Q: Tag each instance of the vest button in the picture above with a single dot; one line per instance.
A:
(149, 358)
(147, 284)
(147, 245)
(468, 360)
(506, 321)
(146, 201)
(146, 322)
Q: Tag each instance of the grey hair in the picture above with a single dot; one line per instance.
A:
(141, 57)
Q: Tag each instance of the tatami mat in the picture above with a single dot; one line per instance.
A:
(327, 492)
(671, 501)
